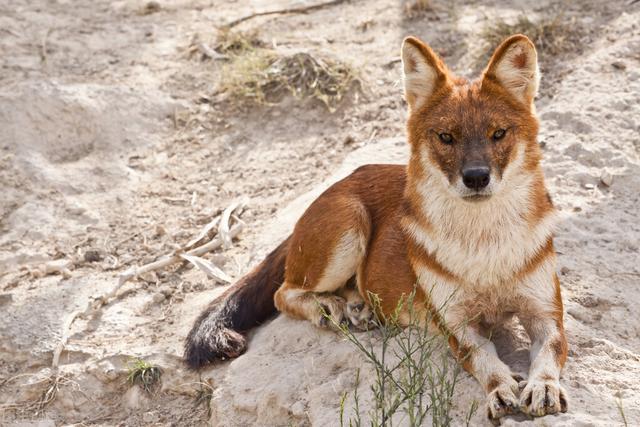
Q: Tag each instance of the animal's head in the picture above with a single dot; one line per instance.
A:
(473, 137)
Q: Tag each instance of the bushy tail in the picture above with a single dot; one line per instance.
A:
(218, 331)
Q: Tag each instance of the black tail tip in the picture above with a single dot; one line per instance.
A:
(221, 344)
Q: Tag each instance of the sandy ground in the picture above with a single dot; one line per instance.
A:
(115, 143)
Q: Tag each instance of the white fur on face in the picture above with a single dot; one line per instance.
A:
(483, 242)
(468, 193)
(495, 185)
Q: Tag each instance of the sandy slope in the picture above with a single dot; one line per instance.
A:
(108, 146)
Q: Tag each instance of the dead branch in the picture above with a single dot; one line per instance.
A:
(164, 262)
(223, 228)
(66, 329)
(208, 267)
(210, 53)
(205, 232)
(302, 9)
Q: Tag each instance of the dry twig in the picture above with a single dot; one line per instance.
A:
(223, 229)
(209, 268)
(164, 262)
(287, 11)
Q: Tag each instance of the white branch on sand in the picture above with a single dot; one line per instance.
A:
(185, 253)
(223, 228)
(61, 266)
(203, 233)
(166, 261)
(208, 267)
(66, 328)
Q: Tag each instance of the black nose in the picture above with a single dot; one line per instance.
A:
(476, 177)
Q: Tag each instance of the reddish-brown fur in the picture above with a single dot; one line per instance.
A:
(359, 227)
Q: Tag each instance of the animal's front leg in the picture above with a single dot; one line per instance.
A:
(472, 348)
(479, 357)
(543, 393)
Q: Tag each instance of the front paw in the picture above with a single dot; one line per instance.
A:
(542, 396)
(502, 401)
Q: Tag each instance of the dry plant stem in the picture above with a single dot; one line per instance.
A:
(209, 268)
(172, 259)
(223, 228)
(303, 9)
(66, 328)
(206, 230)
(224, 240)
(209, 52)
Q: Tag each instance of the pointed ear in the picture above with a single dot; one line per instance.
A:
(424, 72)
(514, 66)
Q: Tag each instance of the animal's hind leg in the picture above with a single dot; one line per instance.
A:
(328, 245)
(309, 305)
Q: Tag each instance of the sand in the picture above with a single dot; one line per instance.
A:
(115, 147)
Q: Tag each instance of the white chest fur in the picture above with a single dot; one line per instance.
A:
(483, 243)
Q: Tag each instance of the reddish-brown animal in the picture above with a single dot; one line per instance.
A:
(468, 221)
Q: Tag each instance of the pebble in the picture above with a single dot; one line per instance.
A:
(92, 255)
(619, 65)
(298, 409)
(606, 178)
(5, 298)
(158, 298)
(149, 417)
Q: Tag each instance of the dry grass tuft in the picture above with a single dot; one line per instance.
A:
(204, 393)
(264, 77)
(415, 8)
(144, 374)
(551, 36)
(235, 42)
(46, 387)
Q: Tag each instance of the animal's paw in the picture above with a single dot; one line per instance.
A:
(360, 315)
(542, 396)
(331, 311)
(503, 401)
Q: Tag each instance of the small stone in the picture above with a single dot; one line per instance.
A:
(298, 409)
(151, 7)
(589, 186)
(92, 255)
(564, 270)
(619, 65)
(160, 231)
(158, 298)
(76, 210)
(606, 178)
(149, 417)
(5, 299)
(167, 291)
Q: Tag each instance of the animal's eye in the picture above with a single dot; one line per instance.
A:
(446, 138)
(499, 134)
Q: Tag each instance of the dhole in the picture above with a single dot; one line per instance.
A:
(469, 221)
